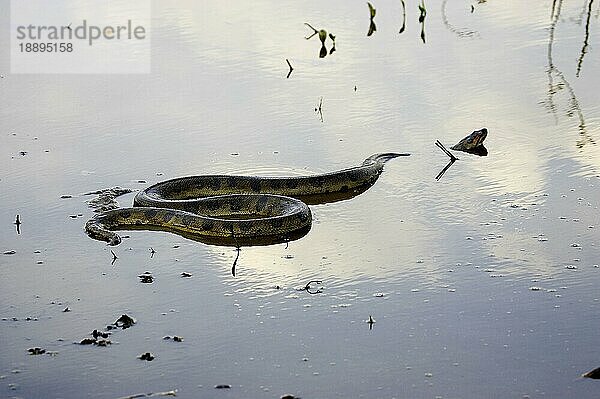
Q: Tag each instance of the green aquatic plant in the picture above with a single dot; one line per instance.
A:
(322, 37)
(332, 37)
(372, 10)
(372, 26)
(321, 32)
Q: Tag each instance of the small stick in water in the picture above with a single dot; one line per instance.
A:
(115, 257)
(371, 321)
(291, 68)
(18, 224)
(307, 287)
(441, 147)
(315, 32)
(238, 249)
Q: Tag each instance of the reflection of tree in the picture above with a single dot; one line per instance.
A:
(553, 88)
(461, 32)
(587, 35)
(403, 17)
(423, 14)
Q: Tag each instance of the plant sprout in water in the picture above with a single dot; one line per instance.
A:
(372, 26)
(322, 37)
(423, 14)
(403, 17)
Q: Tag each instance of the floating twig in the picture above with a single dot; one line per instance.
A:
(370, 322)
(307, 287)
(291, 68)
(115, 257)
(319, 109)
(452, 159)
(441, 147)
(439, 176)
(321, 32)
(238, 249)
(17, 223)
(315, 32)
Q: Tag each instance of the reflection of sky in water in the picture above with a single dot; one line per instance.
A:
(455, 258)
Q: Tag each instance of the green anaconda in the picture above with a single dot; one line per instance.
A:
(236, 210)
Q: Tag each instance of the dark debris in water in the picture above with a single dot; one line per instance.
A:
(223, 386)
(101, 334)
(124, 322)
(146, 356)
(175, 338)
(100, 338)
(28, 318)
(95, 341)
(146, 278)
(36, 351)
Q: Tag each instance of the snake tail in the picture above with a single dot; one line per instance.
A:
(228, 217)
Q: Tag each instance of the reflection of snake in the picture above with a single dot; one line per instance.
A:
(236, 210)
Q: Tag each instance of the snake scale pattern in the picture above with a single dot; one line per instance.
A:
(236, 210)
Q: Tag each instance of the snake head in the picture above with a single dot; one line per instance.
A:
(383, 157)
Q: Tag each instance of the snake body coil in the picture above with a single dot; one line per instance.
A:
(234, 210)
